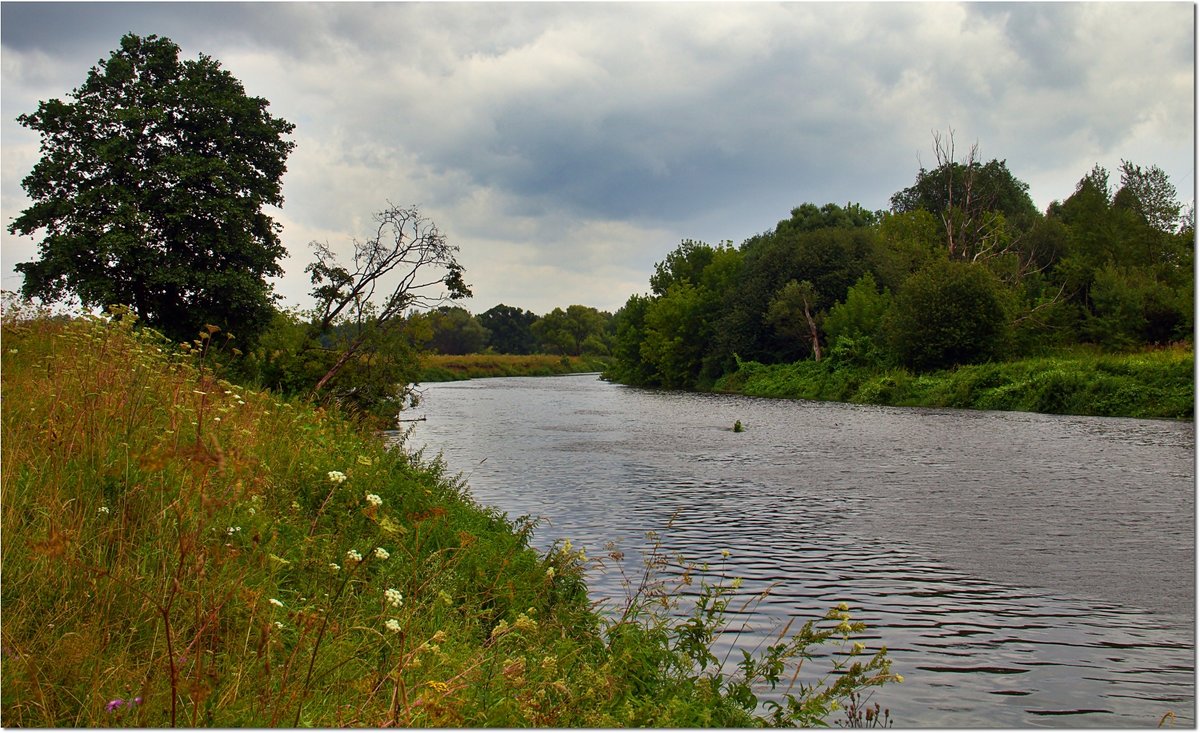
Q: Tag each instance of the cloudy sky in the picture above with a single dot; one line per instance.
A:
(565, 148)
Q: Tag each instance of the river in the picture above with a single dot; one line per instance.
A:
(1022, 569)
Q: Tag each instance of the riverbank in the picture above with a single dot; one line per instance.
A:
(183, 551)
(449, 368)
(1150, 384)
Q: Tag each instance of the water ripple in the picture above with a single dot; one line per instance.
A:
(1023, 570)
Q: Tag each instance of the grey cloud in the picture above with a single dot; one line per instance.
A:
(706, 120)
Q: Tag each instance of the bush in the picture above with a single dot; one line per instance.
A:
(948, 313)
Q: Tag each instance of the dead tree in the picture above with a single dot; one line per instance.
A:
(407, 264)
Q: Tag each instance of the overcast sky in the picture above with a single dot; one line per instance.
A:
(566, 148)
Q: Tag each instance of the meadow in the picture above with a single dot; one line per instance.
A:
(182, 551)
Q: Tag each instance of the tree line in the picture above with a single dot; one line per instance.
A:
(150, 189)
(962, 268)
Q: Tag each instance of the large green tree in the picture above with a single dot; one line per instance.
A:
(509, 329)
(150, 192)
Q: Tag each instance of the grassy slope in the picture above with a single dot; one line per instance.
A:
(174, 539)
(1153, 384)
(448, 368)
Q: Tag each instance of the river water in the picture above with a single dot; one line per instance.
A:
(1023, 570)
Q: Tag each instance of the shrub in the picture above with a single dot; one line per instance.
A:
(945, 314)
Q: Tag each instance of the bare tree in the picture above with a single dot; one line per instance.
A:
(407, 264)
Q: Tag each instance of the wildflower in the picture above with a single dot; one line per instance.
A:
(336, 477)
(550, 572)
(334, 567)
(233, 530)
(276, 602)
(374, 500)
(136, 701)
(279, 624)
(381, 553)
(725, 554)
(438, 637)
(253, 511)
(857, 648)
(114, 704)
(392, 625)
(353, 556)
(524, 623)
(102, 510)
(737, 583)
(393, 597)
(899, 678)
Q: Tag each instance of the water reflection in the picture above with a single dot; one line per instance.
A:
(1024, 570)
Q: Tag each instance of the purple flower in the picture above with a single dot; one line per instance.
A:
(137, 701)
(114, 704)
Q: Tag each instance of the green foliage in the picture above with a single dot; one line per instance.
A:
(292, 356)
(962, 270)
(1130, 307)
(1154, 384)
(861, 313)
(948, 313)
(441, 368)
(807, 218)
(579, 329)
(453, 330)
(830, 259)
(180, 551)
(629, 325)
(150, 190)
(509, 329)
(673, 343)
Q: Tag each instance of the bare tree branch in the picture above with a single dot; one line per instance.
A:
(408, 258)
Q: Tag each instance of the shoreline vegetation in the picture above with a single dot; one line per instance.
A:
(452, 368)
(1158, 383)
(183, 551)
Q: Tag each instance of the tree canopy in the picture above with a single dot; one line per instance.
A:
(150, 190)
(962, 269)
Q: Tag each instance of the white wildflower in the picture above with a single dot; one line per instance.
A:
(374, 500)
(353, 556)
(381, 553)
(102, 510)
(336, 477)
(334, 567)
(393, 597)
(392, 625)
(276, 602)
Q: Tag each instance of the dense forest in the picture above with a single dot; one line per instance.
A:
(962, 269)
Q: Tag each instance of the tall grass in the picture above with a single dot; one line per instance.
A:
(179, 551)
(449, 368)
(1151, 384)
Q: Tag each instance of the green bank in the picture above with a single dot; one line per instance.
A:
(450, 368)
(1152, 384)
(182, 551)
